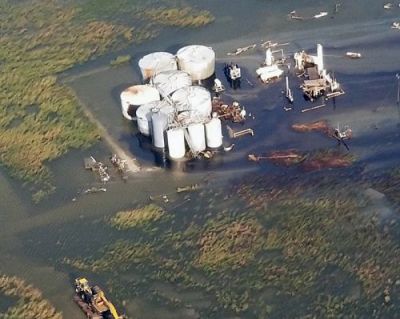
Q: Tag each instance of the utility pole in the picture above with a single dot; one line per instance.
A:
(398, 88)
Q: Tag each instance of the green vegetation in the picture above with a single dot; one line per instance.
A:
(182, 17)
(118, 256)
(230, 244)
(30, 304)
(274, 247)
(40, 39)
(137, 217)
(389, 184)
(121, 59)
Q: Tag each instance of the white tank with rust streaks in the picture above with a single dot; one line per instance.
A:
(168, 82)
(197, 60)
(156, 62)
(134, 96)
(143, 117)
(197, 137)
(176, 143)
(214, 132)
(144, 112)
(195, 99)
(159, 123)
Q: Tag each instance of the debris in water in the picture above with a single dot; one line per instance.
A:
(242, 50)
(218, 86)
(353, 55)
(99, 167)
(396, 25)
(293, 15)
(388, 6)
(188, 188)
(312, 108)
(321, 14)
(319, 126)
(234, 112)
(229, 148)
(94, 190)
(237, 134)
(119, 164)
(285, 158)
(287, 108)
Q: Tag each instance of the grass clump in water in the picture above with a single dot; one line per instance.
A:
(137, 217)
(226, 245)
(179, 17)
(121, 59)
(30, 305)
(121, 255)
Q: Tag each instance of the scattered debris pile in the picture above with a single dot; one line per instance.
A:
(234, 112)
(98, 167)
(119, 164)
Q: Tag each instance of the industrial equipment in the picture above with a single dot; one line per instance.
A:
(93, 302)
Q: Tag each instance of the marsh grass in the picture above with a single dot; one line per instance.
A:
(30, 304)
(137, 217)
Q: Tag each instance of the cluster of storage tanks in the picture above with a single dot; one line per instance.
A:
(171, 110)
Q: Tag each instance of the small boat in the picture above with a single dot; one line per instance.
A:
(388, 6)
(396, 25)
(321, 14)
(353, 55)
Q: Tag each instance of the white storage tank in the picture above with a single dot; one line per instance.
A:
(197, 137)
(144, 112)
(168, 82)
(134, 96)
(168, 110)
(197, 60)
(195, 99)
(156, 62)
(214, 132)
(159, 123)
(176, 143)
(143, 117)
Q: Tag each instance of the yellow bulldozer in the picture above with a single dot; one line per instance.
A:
(93, 302)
